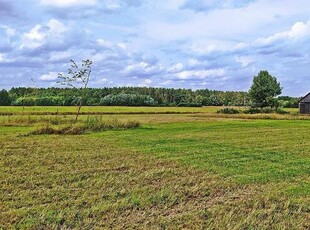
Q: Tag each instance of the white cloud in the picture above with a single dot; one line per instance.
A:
(103, 80)
(231, 23)
(200, 74)
(245, 61)
(59, 56)
(145, 83)
(148, 81)
(34, 38)
(122, 45)
(10, 32)
(39, 35)
(168, 82)
(207, 5)
(51, 76)
(34, 34)
(104, 43)
(298, 31)
(68, 3)
(193, 62)
(175, 68)
(143, 69)
(56, 27)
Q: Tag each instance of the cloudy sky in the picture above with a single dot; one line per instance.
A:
(215, 44)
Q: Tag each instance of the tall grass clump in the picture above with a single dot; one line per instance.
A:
(58, 130)
(97, 123)
(91, 124)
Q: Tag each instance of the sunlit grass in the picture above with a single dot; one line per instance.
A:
(103, 109)
(194, 171)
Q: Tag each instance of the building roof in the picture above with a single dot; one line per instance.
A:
(304, 97)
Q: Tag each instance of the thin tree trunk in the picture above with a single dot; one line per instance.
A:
(78, 112)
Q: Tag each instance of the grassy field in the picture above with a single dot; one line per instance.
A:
(67, 110)
(37, 110)
(189, 171)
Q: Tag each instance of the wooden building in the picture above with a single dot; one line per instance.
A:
(304, 104)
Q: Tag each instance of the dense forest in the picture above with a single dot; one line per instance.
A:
(129, 96)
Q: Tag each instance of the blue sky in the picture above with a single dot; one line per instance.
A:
(214, 44)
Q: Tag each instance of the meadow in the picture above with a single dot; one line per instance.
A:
(183, 168)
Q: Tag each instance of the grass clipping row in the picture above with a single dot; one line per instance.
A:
(91, 124)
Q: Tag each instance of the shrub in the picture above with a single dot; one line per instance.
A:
(281, 111)
(265, 110)
(258, 110)
(184, 104)
(228, 111)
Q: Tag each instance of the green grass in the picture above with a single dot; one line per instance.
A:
(245, 151)
(37, 110)
(176, 171)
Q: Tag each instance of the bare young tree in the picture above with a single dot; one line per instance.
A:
(34, 90)
(77, 76)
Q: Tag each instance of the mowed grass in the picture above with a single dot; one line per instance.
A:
(176, 171)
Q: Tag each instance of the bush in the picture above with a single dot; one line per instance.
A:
(281, 111)
(228, 111)
(258, 110)
(265, 110)
(184, 104)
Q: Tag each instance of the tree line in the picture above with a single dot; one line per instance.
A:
(129, 96)
(263, 93)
